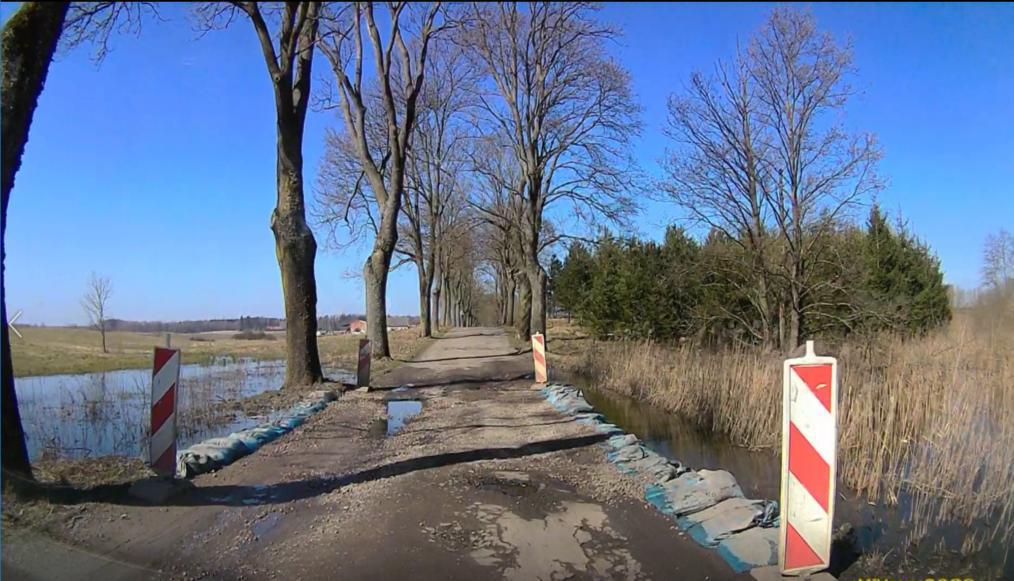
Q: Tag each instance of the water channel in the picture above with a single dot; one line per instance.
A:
(877, 527)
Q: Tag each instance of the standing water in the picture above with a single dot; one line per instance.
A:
(878, 527)
(400, 411)
(108, 413)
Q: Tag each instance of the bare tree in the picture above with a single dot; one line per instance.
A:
(763, 160)
(998, 261)
(287, 36)
(436, 166)
(399, 67)
(717, 173)
(565, 108)
(818, 171)
(96, 303)
(95, 23)
(498, 202)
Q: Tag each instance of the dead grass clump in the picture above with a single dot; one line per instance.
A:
(89, 472)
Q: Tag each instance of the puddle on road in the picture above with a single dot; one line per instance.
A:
(576, 537)
(400, 411)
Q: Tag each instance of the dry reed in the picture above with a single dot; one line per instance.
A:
(932, 418)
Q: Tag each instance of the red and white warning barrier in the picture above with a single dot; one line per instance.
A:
(363, 371)
(165, 378)
(809, 444)
(539, 355)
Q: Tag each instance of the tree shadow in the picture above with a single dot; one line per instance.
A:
(511, 354)
(465, 383)
(476, 332)
(257, 495)
(481, 426)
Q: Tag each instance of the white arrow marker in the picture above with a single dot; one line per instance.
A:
(11, 324)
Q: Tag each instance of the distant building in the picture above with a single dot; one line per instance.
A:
(357, 327)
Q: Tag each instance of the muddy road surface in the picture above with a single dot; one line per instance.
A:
(485, 481)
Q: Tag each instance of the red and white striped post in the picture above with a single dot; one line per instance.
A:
(363, 371)
(539, 355)
(809, 451)
(165, 378)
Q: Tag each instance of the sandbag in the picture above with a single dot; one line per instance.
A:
(215, 453)
(754, 547)
(714, 524)
(694, 491)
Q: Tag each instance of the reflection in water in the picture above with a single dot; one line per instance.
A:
(877, 526)
(399, 412)
(758, 474)
(107, 413)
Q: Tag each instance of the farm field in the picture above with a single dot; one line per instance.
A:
(63, 350)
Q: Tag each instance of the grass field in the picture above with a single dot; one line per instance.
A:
(54, 350)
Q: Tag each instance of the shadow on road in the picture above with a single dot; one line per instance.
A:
(466, 382)
(511, 354)
(256, 495)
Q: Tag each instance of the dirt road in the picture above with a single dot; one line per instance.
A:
(488, 481)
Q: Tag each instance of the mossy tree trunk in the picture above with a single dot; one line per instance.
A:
(29, 41)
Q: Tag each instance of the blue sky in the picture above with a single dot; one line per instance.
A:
(157, 168)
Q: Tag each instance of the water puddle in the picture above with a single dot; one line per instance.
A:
(577, 536)
(400, 411)
(107, 413)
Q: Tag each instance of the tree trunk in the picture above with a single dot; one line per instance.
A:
(763, 306)
(296, 250)
(511, 294)
(425, 286)
(102, 330)
(436, 299)
(795, 318)
(29, 40)
(537, 280)
(523, 319)
(375, 273)
(447, 302)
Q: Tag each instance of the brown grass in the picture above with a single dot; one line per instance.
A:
(53, 350)
(933, 417)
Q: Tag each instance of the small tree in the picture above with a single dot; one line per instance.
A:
(998, 258)
(96, 303)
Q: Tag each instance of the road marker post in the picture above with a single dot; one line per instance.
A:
(539, 355)
(809, 455)
(165, 379)
(363, 371)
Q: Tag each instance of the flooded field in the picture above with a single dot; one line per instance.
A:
(881, 532)
(107, 413)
